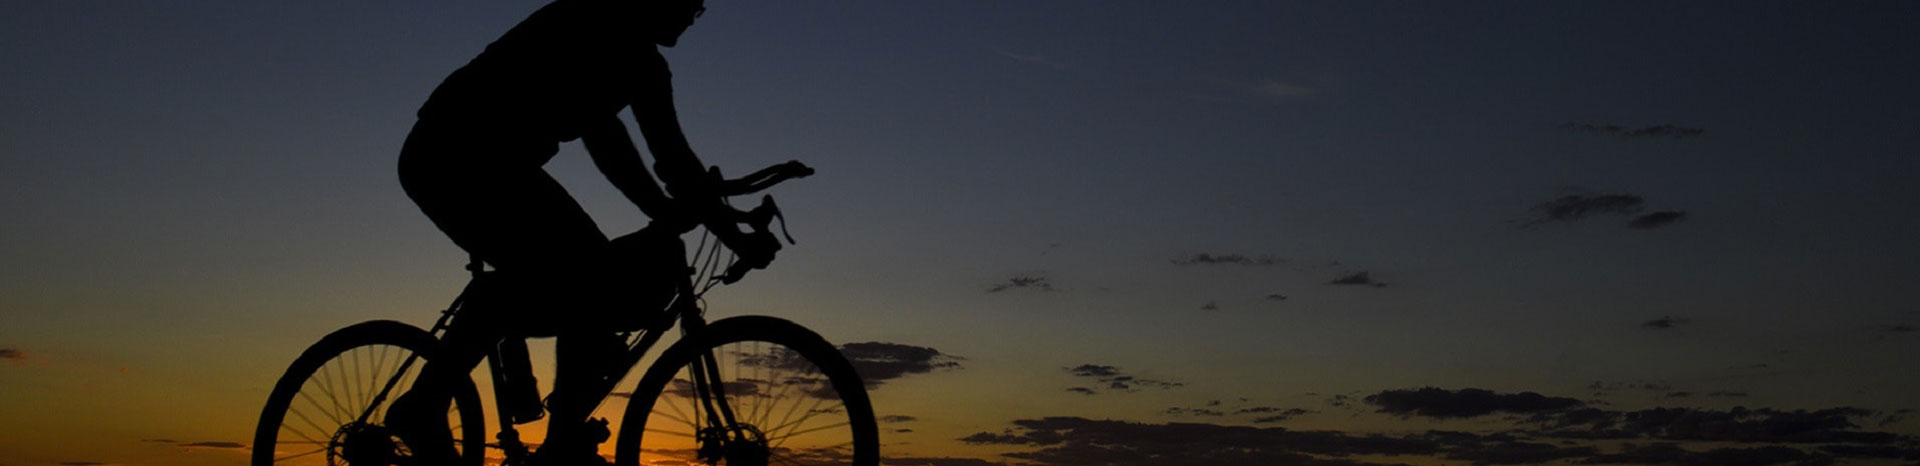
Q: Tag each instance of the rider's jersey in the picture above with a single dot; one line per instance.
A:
(571, 63)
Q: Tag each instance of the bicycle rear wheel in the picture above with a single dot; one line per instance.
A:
(314, 415)
(795, 401)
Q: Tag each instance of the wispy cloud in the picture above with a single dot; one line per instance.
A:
(1667, 131)
(1360, 278)
(936, 461)
(1534, 429)
(12, 354)
(1469, 402)
(1195, 412)
(1081, 441)
(1228, 259)
(1112, 379)
(1657, 219)
(1666, 322)
(1022, 282)
(1258, 90)
(1037, 59)
(1274, 89)
(1576, 207)
(878, 362)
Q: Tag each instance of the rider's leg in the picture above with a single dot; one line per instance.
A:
(419, 416)
(582, 359)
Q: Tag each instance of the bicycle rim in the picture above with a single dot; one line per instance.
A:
(325, 410)
(794, 401)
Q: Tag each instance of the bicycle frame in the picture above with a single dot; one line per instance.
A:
(684, 307)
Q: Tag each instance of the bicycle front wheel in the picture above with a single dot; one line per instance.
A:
(794, 401)
(327, 408)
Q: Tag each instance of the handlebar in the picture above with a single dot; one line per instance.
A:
(755, 248)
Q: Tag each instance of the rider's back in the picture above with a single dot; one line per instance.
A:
(569, 64)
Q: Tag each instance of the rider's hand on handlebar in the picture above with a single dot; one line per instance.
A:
(756, 246)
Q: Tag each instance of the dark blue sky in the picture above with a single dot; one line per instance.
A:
(197, 190)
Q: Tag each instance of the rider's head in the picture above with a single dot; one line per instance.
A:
(670, 18)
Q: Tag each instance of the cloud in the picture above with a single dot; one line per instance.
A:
(1228, 259)
(12, 354)
(1273, 89)
(1537, 430)
(1114, 380)
(1210, 306)
(1665, 130)
(1081, 441)
(81, 463)
(1272, 415)
(1599, 386)
(1276, 297)
(1873, 451)
(936, 461)
(1672, 454)
(1036, 59)
(1357, 278)
(1022, 282)
(1094, 370)
(1657, 219)
(894, 418)
(1576, 206)
(1742, 425)
(878, 362)
(191, 445)
(875, 362)
(1261, 90)
(1195, 412)
(1468, 402)
(1518, 452)
(1666, 322)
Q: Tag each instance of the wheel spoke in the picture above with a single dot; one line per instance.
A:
(325, 387)
(669, 432)
(812, 430)
(781, 397)
(332, 414)
(323, 432)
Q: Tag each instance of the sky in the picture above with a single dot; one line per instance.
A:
(1125, 232)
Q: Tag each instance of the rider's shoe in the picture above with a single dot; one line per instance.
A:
(584, 451)
(423, 429)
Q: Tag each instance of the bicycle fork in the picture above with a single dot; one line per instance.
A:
(725, 437)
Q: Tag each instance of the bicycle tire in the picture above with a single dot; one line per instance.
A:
(347, 367)
(767, 347)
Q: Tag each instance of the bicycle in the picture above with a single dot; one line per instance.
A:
(741, 391)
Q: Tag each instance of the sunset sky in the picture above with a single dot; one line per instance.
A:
(1135, 232)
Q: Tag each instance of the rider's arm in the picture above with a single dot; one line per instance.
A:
(614, 154)
(653, 112)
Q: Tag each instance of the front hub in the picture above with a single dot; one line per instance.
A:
(362, 444)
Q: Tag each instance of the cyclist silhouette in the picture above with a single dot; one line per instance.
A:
(473, 164)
